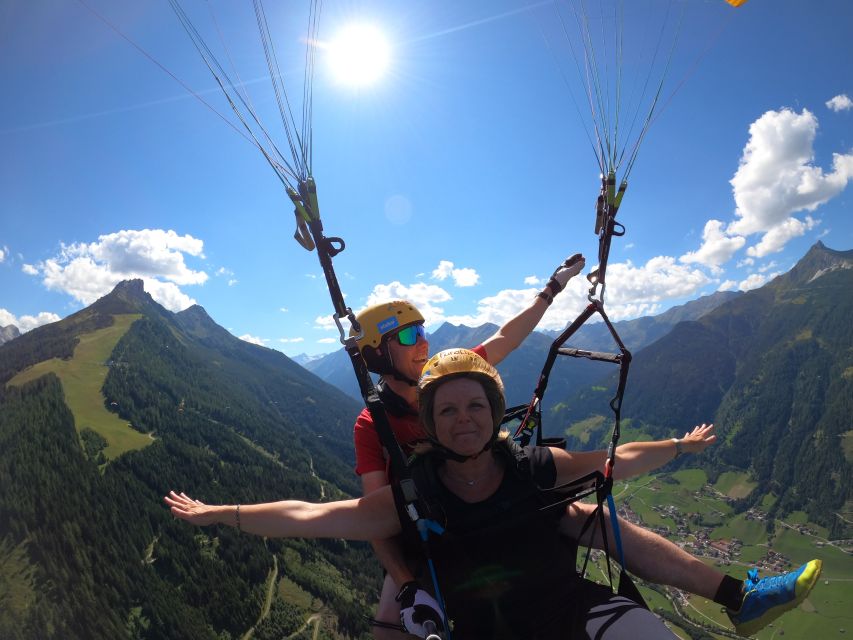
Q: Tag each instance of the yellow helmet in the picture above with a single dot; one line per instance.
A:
(377, 322)
(459, 363)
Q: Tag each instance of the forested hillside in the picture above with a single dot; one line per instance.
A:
(87, 548)
(773, 369)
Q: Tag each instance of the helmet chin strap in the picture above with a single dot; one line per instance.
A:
(450, 454)
(394, 373)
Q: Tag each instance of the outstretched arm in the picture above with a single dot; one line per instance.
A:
(367, 518)
(633, 458)
(506, 339)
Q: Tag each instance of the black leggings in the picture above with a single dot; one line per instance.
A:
(603, 615)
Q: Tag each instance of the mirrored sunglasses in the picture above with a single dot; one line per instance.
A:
(408, 336)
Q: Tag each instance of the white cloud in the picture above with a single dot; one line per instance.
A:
(443, 270)
(717, 247)
(840, 103)
(253, 339)
(87, 271)
(326, 323)
(755, 280)
(775, 239)
(498, 308)
(728, 285)
(634, 291)
(30, 270)
(232, 282)
(463, 277)
(284, 309)
(776, 178)
(532, 280)
(631, 292)
(291, 340)
(4, 251)
(426, 297)
(27, 323)
(327, 340)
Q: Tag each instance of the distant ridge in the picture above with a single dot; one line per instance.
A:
(521, 369)
(9, 332)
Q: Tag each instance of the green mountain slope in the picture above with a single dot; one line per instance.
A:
(87, 548)
(772, 368)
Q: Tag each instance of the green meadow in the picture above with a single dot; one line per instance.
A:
(82, 378)
(826, 613)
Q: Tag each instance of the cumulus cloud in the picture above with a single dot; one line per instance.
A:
(498, 308)
(777, 237)
(27, 323)
(463, 277)
(639, 290)
(755, 280)
(532, 280)
(777, 178)
(30, 270)
(291, 340)
(4, 251)
(426, 297)
(327, 340)
(87, 271)
(717, 247)
(631, 291)
(253, 339)
(326, 323)
(728, 285)
(840, 103)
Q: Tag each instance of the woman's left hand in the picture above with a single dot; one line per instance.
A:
(193, 511)
(698, 439)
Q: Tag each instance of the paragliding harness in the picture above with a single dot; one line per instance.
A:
(600, 482)
(309, 234)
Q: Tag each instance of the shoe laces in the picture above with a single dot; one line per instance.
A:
(765, 584)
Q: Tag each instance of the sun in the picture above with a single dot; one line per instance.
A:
(358, 55)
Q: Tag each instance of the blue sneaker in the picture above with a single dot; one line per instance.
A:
(768, 598)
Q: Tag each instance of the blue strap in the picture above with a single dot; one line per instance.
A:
(424, 526)
(614, 522)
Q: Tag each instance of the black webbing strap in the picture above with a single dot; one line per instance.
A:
(328, 248)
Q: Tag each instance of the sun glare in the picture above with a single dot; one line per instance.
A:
(358, 55)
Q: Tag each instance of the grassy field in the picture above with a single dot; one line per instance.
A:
(734, 484)
(823, 615)
(82, 378)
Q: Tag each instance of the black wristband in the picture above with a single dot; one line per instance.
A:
(547, 298)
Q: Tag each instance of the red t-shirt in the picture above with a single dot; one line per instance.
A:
(370, 454)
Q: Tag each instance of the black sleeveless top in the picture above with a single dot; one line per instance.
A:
(503, 568)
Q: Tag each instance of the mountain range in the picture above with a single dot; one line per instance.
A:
(106, 410)
(520, 370)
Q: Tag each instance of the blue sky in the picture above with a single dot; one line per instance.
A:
(459, 179)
